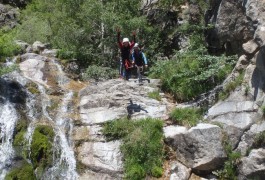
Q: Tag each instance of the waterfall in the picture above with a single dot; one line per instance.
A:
(8, 119)
(65, 165)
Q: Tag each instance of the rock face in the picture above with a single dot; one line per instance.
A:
(236, 22)
(199, 148)
(116, 99)
(105, 101)
(253, 166)
(8, 16)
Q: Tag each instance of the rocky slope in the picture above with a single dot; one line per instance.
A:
(196, 153)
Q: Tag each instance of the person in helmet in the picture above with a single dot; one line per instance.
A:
(125, 48)
(139, 60)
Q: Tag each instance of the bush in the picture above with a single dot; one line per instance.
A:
(186, 116)
(192, 73)
(98, 72)
(231, 86)
(142, 145)
(259, 140)
(8, 48)
(229, 170)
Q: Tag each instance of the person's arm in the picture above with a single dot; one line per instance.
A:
(133, 41)
(145, 59)
(133, 58)
(118, 37)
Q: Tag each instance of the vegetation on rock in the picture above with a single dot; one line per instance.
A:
(154, 95)
(41, 147)
(23, 172)
(186, 116)
(142, 146)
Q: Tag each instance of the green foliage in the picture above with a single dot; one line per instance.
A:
(19, 132)
(33, 88)
(8, 69)
(142, 145)
(229, 170)
(24, 172)
(41, 146)
(84, 30)
(259, 140)
(154, 95)
(231, 86)
(8, 48)
(98, 72)
(191, 73)
(186, 116)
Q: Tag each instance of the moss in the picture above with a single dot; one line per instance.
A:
(154, 95)
(33, 88)
(24, 172)
(19, 132)
(41, 146)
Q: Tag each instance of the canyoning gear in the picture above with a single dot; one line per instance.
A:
(125, 40)
(136, 45)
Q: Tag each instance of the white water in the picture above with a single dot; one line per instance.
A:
(64, 166)
(65, 163)
(8, 119)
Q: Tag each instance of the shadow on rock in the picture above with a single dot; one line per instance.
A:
(258, 76)
(132, 108)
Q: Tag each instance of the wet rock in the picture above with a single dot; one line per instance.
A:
(32, 69)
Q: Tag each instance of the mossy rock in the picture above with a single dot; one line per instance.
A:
(41, 146)
(33, 88)
(24, 172)
(19, 132)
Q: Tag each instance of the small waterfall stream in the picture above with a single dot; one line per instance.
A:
(8, 119)
(64, 162)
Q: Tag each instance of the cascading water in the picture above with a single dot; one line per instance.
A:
(65, 164)
(8, 119)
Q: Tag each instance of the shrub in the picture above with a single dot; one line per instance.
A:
(191, 73)
(231, 86)
(8, 48)
(142, 145)
(154, 95)
(259, 140)
(186, 116)
(98, 72)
